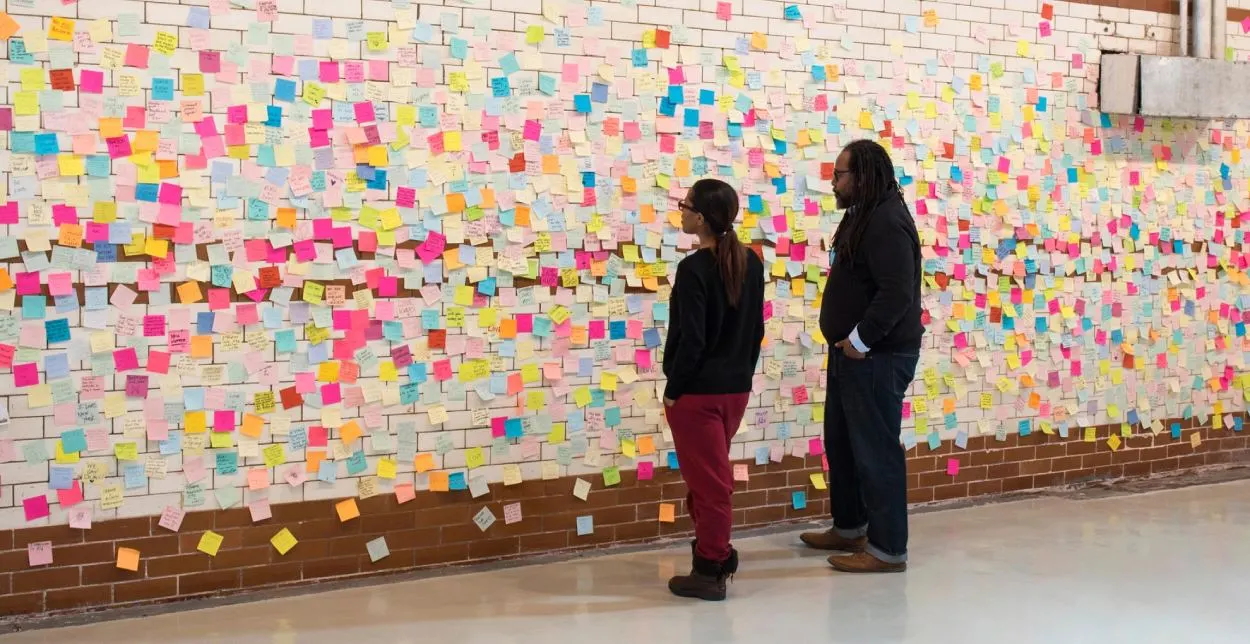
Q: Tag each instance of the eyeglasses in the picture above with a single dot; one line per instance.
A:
(837, 174)
(686, 205)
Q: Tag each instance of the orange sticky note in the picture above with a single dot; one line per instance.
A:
(128, 559)
(423, 463)
(252, 425)
(455, 202)
(8, 26)
(189, 292)
(314, 459)
(646, 445)
(350, 432)
(201, 346)
(668, 513)
(347, 510)
(440, 481)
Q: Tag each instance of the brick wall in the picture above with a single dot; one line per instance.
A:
(434, 530)
(891, 67)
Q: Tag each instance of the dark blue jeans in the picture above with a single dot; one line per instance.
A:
(867, 466)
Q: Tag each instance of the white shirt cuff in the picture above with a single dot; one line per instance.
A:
(856, 342)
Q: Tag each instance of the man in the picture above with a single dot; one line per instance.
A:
(871, 313)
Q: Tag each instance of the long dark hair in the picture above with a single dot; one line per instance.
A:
(718, 203)
(873, 172)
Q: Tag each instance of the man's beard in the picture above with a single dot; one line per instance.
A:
(843, 201)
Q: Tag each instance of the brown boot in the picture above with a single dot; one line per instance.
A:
(831, 540)
(864, 562)
(706, 581)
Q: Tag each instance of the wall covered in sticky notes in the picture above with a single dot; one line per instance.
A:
(255, 257)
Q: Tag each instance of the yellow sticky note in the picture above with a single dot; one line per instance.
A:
(210, 543)
(474, 458)
(61, 29)
(387, 469)
(128, 559)
(818, 480)
(534, 35)
(283, 541)
(347, 510)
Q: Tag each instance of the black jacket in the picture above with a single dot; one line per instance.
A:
(879, 290)
(712, 348)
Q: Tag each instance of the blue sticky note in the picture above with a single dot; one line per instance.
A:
(547, 84)
(198, 18)
(513, 428)
(227, 462)
(46, 143)
(60, 478)
(672, 461)
(581, 103)
(460, 49)
(792, 12)
(56, 366)
(585, 525)
(135, 477)
(761, 455)
(599, 92)
(508, 63)
(457, 481)
(327, 472)
(799, 500)
(57, 330)
(639, 57)
(499, 87)
(323, 29)
(73, 441)
(935, 440)
(162, 89)
(356, 463)
(284, 90)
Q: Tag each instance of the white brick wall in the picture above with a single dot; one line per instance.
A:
(890, 62)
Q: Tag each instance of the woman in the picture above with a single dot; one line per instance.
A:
(710, 355)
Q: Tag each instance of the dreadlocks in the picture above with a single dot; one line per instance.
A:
(873, 171)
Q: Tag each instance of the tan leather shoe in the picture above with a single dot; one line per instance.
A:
(864, 562)
(830, 540)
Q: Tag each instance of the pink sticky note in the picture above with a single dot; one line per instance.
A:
(91, 82)
(952, 467)
(724, 11)
(1245, 25)
(646, 470)
(36, 507)
(25, 375)
(39, 553)
(815, 446)
(1043, 29)
(70, 497)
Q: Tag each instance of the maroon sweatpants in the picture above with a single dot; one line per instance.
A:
(702, 428)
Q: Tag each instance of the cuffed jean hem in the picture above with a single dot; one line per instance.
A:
(891, 559)
(854, 533)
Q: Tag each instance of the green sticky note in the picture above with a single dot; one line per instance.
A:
(611, 476)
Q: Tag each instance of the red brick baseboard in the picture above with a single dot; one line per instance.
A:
(436, 529)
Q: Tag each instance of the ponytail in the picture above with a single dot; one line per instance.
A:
(718, 203)
(731, 259)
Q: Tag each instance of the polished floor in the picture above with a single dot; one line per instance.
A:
(1170, 566)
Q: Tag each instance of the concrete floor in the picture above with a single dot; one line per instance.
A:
(1170, 566)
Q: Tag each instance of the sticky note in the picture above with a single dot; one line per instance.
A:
(347, 510)
(128, 559)
(668, 513)
(283, 541)
(210, 543)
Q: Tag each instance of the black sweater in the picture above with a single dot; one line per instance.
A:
(711, 348)
(880, 289)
